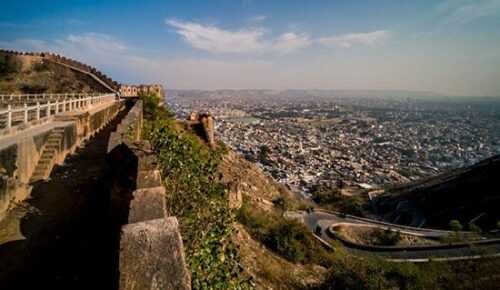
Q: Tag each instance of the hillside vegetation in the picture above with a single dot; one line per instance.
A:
(198, 199)
(252, 245)
(25, 74)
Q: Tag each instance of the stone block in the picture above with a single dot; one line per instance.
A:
(147, 204)
(152, 256)
(149, 178)
(146, 161)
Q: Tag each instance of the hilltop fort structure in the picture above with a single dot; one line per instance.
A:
(135, 90)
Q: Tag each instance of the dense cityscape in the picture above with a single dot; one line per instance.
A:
(306, 138)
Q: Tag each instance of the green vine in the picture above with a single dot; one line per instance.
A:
(199, 200)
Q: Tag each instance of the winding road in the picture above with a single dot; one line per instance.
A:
(319, 222)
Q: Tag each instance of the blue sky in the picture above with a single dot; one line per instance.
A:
(447, 46)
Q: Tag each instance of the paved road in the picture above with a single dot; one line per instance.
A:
(422, 254)
(325, 219)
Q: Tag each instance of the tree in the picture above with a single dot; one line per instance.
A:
(151, 108)
(263, 153)
(455, 226)
(388, 237)
(474, 228)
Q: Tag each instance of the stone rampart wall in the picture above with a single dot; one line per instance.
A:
(72, 63)
(151, 250)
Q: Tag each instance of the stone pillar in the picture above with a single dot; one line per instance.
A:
(207, 120)
(193, 116)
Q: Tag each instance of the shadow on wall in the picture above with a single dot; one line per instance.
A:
(123, 168)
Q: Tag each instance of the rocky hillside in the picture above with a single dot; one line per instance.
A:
(251, 188)
(466, 194)
(25, 74)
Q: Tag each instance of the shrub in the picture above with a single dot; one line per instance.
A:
(3, 64)
(329, 196)
(474, 228)
(351, 272)
(388, 237)
(10, 64)
(40, 66)
(288, 238)
(33, 88)
(455, 225)
(151, 108)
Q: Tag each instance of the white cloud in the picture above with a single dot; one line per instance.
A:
(213, 39)
(93, 41)
(100, 50)
(352, 39)
(289, 42)
(248, 40)
(465, 11)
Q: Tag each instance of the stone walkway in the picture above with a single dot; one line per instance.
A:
(60, 237)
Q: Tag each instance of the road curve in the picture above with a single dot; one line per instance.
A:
(463, 251)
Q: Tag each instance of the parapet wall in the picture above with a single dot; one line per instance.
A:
(129, 130)
(151, 249)
(73, 64)
(21, 153)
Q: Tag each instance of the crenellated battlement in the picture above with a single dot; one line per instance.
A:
(108, 82)
(135, 90)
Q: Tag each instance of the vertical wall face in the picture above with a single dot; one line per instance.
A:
(17, 163)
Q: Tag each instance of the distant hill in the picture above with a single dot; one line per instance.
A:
(24, 74)
(463, 194)
(309, 92)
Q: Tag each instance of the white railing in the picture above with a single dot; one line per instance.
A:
(11, 98)
(42, 110)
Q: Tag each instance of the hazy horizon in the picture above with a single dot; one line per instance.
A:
(447, 47)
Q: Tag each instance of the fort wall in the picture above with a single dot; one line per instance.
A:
(151, 250)
(112, 85)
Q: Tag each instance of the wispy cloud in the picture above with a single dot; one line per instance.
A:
(93, 41)
(289, 42)
(465, 11)
(352, 39)
(247, 40)
(93, 48)
(214, 39)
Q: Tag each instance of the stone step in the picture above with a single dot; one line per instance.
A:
(43, 166)
(49, 149)
(52, 147)
(38, 173)
(47, 155)
(44, 161)
(36, 178)
(52, 137)
(58, 140)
